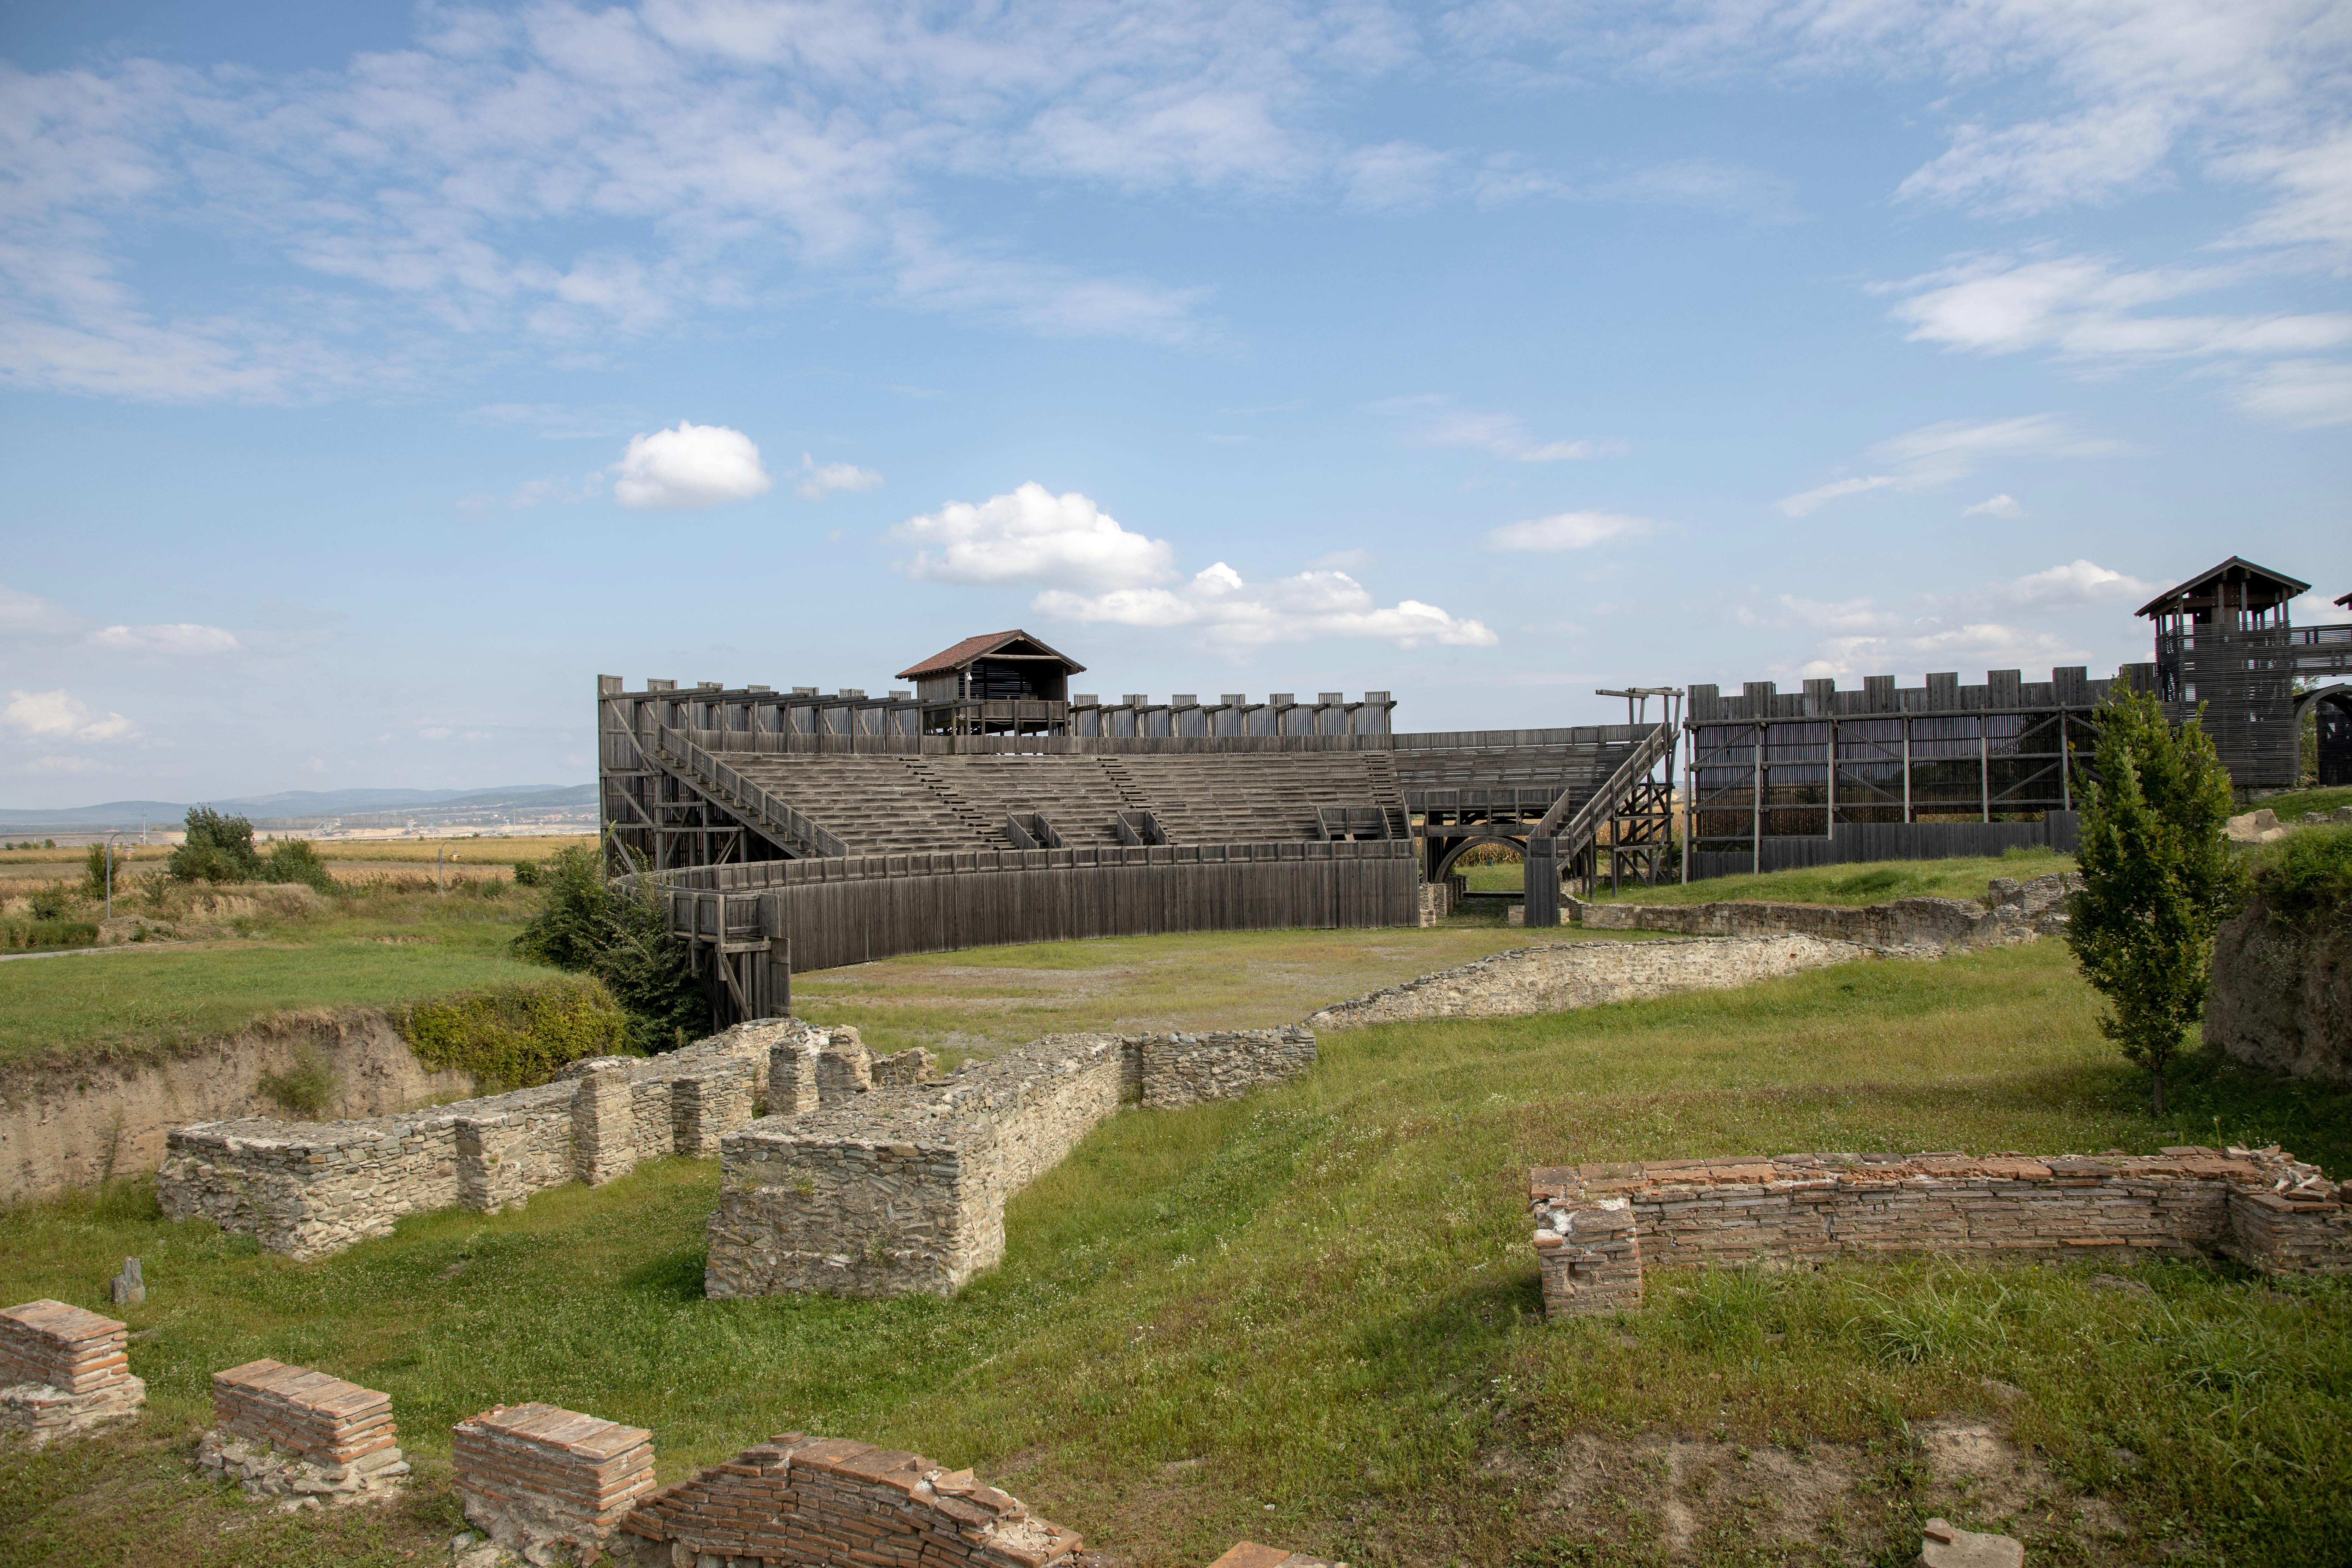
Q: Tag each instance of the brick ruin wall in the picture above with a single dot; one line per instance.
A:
(1600, 1228)
(1565, 975)
(800, 1500)
(2281, 997)
(903, 1189)
(309, 1189)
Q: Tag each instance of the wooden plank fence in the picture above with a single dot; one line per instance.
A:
(1861, 842)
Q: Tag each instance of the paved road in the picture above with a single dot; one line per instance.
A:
(93, 952)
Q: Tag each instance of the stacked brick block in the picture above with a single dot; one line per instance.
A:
(1599, 1228)
(322, 1418)
(1250, 1554)
(800, 1500)
(63, 1370)
(532, 1476)
(288, 1431)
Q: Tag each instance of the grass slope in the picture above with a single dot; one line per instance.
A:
(960, 1003)
(365, 952)
(1962, 877)
(1311, 1317)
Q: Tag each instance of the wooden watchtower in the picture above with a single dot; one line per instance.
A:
(2224, 643)
(998, 683)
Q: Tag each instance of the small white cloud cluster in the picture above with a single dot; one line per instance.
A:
(1981, 628)
(61, 716)
(1089, 568)
(818, 478)
(693, 465)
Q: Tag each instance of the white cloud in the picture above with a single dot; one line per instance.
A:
(2001, 505)
(1237, 617)
(21, 612)
(1435, 424)
(2086, 307)
(693, 465)
(1034, 536)
(1993, 627)
(434, 733)
(1804, 502)
(818, 478)
(61, 716)
(1941, 453)
(1091, 569)
(1568, 531)
(178, 641)
(2302, 395)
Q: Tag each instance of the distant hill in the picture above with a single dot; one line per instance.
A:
(306, 803)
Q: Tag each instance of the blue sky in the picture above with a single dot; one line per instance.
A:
(375, 377)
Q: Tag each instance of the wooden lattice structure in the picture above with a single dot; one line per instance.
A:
(798, 830)
(1768, 771)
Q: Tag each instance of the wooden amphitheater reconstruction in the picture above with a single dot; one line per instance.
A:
(985, 803)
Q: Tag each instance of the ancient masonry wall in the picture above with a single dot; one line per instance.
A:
(903, 1189)
(63, 1370)
(2011, 912)
(1599, 1228)
(1559, 975)
(309, 1189)
(800, 1500)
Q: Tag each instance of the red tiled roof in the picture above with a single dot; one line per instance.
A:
(970, 648)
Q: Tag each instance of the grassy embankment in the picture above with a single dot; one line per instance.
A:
(1868, 883)
(291, 951)
(1311, 1317)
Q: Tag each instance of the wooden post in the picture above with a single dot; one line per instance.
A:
(2065, 766)
(1830, 826)
(1984, 768)
(1907, 768)
(1756, 823)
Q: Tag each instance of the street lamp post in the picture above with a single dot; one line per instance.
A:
(109, 876)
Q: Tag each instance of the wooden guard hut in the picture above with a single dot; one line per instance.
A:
(998, 683)
(2224, 643)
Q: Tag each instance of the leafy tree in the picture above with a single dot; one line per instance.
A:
(217, 849)
(591, 926)
(296, 861)
(93, 870)
(2158, 877)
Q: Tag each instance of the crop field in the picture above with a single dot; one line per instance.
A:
(1311, 1317)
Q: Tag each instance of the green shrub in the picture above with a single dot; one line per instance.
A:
(305, 1089)
(217, 849)
(2158, 877)
(294, 860)
(2308, 873)
(589, 926)
(526, 874)
(49, 901)
(23, 935)
(517, 1035)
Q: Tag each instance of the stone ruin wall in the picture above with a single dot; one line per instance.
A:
(2282, 992)
(2011, 911)
(1561, 975)
(309, 1189)
(1600, 1228)
(904, 1190)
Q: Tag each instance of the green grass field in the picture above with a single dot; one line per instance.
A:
(1870, 883)
(1311, 1318)
(363, 952)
